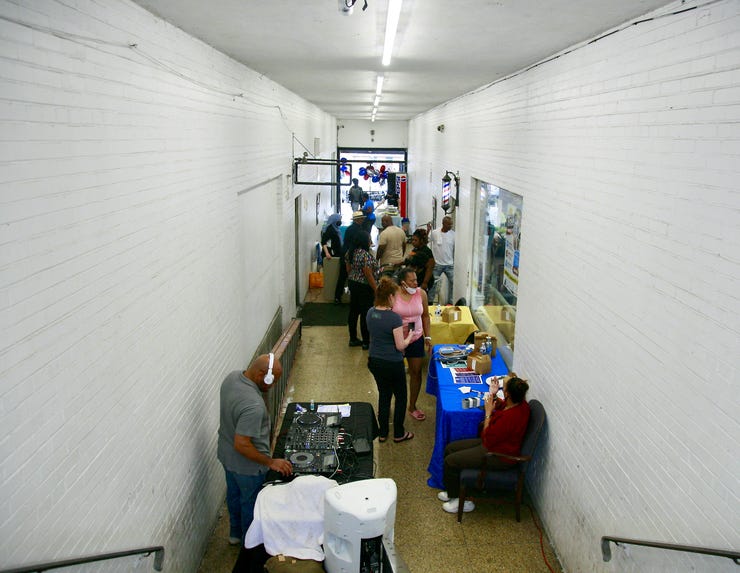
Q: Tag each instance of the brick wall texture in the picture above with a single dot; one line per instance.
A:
(626, 152)
(146, 232)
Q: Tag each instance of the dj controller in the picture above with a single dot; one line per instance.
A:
(311, 443)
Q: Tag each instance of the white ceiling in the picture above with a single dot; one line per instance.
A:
(443, 48)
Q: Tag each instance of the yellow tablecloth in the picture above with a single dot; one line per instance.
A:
(451, 332)
(502, 318)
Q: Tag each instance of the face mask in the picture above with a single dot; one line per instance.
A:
(409, 289)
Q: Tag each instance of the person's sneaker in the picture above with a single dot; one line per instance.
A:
(355, 342)
(452, 505)
(366, 346)
(442, 496)
(234, 541)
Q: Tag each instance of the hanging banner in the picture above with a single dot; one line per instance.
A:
(398, 182)
(511, 256)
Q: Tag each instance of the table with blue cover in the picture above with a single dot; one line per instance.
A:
(453, 422)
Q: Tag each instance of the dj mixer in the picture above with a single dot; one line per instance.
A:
(311, 443)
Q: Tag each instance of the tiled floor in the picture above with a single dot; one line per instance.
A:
(428, 540)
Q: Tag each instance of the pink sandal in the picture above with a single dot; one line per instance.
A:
(418, 415)
(406, 436)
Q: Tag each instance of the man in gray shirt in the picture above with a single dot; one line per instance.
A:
(355, 195)
(244, 440)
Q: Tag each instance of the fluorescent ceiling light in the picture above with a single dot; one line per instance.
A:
(379, 85)
(377, 101)
(391, 25)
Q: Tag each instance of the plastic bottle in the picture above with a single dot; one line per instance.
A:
(313, 406)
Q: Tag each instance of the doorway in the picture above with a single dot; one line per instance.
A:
(371, 167)
(297, 249)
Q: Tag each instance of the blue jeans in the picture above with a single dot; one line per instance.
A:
(449, 272)
(241, 495)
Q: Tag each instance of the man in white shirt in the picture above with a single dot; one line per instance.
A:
(391, 245)
(442, 243)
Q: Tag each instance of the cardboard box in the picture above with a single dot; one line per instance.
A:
(508, 313)
(451, 314)
(481, 363)
(480, 338)
(507, 330)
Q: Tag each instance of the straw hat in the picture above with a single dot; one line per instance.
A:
(358, 215)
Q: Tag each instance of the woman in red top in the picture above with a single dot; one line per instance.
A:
(503, 431)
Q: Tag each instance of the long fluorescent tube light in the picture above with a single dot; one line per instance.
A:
(377, 101)
(391, 25)
(379, 85)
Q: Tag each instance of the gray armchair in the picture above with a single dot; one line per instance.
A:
(484, 479)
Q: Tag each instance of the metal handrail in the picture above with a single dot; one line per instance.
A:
(607, 553)
(158, 551)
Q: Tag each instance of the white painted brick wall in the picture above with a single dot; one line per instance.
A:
(146, 241)
(627, 154)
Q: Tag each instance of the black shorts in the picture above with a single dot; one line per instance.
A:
(415, 349)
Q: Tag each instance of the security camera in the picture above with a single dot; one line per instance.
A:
(346, 7)
(441, 127)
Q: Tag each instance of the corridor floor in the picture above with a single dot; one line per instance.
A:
(428, 540)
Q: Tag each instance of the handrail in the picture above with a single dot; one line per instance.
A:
(158, 551)
(284, 350)
(607, 554)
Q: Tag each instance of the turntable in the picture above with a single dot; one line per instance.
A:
(316, 462)
(301, 460)
(309, 419)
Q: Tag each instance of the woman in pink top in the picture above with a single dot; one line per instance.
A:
(411, 304)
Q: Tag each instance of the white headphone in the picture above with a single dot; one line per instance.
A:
(269, 377)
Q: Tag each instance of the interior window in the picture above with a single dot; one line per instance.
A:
(496, 263)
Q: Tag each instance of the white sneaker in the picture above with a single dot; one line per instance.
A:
(452, 505)
(442, 496)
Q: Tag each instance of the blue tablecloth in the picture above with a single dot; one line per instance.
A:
(452, 421)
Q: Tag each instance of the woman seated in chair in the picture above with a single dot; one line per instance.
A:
(503, 431)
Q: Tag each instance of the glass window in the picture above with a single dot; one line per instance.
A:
(496, 263)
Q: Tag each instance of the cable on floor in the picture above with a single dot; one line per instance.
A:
(542, 542)
(536, 524)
